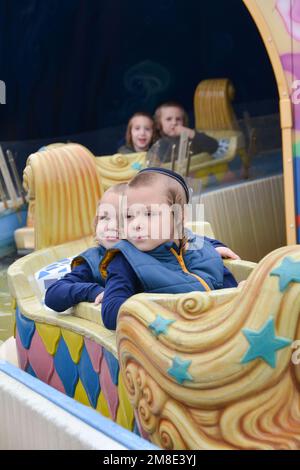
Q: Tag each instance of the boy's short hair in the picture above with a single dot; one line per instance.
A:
(116, 188)
(169, 104)
(174, 191)
(128, 136)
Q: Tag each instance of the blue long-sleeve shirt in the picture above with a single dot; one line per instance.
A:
(122, 282)
(76, 286)
(215, 243)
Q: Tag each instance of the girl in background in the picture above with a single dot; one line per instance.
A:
(139, 134)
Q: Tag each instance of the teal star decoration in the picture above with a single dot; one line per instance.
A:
(179, 370)
(136, 166)
(288, 271)
(264, 344)
(160, 325)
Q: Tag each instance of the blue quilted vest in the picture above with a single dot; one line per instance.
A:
(166, 269)
(93, 257)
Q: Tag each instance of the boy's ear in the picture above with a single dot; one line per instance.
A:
(179, 222)
(122, 235)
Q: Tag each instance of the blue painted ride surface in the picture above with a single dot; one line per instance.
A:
(11, 220)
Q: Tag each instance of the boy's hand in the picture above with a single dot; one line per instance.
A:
(179, 129)
(226, 252)
(98, 299)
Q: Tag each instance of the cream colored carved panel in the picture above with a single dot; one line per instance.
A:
(218, 370)
(119, 168)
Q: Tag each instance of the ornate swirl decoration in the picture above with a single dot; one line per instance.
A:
(169, 436)
(119, 160)
(191, 306)
(244, 392)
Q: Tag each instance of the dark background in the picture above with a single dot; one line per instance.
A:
(84, 66)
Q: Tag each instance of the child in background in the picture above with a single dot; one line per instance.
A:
(139, 133)
(170, 121)
(166, 262)
(85, 283)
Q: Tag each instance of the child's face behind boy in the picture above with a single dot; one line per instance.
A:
(150, 221)
(170, 118)
(141, 133)
(107, 228)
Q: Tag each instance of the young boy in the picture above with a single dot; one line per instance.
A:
(84, 283)
(157, 258)
(171, 120)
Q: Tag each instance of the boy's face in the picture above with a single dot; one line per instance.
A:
(107, 229)
(141, 133)
(150, 221)
(170, 118)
